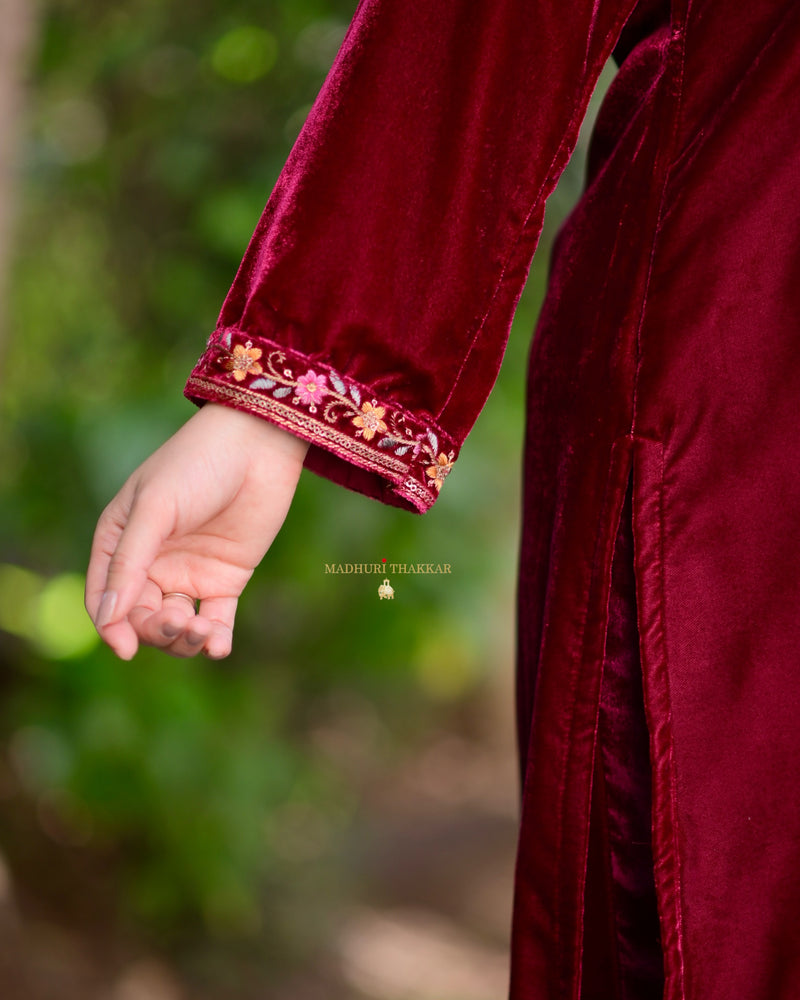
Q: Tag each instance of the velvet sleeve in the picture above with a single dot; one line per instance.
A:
(371, 310)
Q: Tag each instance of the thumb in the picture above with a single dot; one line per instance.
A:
(136, 549)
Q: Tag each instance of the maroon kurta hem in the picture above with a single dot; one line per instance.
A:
(659, 587)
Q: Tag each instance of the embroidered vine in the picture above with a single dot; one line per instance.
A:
(337, 400)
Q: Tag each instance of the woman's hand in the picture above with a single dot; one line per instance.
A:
(195, 519)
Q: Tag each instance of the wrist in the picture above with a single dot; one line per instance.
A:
(256, 430)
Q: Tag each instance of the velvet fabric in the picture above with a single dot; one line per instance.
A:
(369, 316)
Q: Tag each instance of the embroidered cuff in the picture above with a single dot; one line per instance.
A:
(319, 404)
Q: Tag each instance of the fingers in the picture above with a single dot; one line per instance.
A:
(127, 540)
(129, 608)
(122, 638)
(221, 612)
(174, 628)
(137, 548)
(106, 537)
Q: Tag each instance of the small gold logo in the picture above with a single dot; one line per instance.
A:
(386, 590)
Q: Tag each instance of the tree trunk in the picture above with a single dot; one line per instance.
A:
(17, 19)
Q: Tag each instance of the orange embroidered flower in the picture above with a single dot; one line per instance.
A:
(243, 361)
(370, 420)
(440, 471)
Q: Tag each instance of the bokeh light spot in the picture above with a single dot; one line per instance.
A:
(75, 130)
(63, 629)
(19, 589)
(244, 54)
(444, 665)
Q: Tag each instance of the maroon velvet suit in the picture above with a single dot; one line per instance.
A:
(661, 548)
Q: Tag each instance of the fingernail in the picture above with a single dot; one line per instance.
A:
(105, 612)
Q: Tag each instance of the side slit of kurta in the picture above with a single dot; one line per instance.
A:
(600, 971)
(648, 540)
(575, 791)
(567, 787)
(622, 957)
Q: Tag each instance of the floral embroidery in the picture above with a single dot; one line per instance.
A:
(370, 421)
(440, 471)
(376, 435)
(243, 361)
(310, 388)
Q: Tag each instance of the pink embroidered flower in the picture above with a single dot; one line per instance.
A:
(370, 420)
(310, 389)
(440, 471)
(243, 361)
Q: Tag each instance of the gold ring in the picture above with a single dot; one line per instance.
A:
(186, 597)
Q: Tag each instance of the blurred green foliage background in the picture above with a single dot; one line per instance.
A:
(214, 813)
